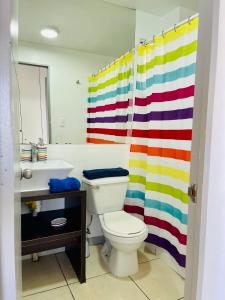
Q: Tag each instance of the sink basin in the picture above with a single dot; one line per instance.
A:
(42, 171)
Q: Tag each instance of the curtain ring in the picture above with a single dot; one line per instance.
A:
(175, 29)
(189, 20)
(163, 34)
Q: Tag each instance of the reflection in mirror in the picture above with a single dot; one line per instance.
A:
(34, 106)
(109, 102)
(91, 35)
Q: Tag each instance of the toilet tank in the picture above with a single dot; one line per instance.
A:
(105, 194)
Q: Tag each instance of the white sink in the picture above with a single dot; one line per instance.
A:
(42, 171)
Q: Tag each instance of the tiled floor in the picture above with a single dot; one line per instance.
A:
(53, 278)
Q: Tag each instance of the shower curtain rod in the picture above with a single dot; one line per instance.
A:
(113, 62)
(174, 28)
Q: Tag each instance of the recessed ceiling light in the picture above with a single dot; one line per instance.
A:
(49, 32)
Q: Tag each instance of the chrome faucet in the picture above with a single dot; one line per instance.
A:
(34, 152)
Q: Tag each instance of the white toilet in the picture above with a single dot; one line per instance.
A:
(123, 232)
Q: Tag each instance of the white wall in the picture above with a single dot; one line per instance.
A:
(148, 25)
(185, 13)
(68, 100)
(90, 156)
(173, 17)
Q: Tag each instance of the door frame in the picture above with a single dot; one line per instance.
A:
(206, 248)
(10, 258)
(206, 239)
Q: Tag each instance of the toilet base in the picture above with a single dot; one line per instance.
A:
(120, 263)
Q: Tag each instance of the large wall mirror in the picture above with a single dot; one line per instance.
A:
(63, 43)
(35, 111)
(53, 72)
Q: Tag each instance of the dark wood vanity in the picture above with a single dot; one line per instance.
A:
(38, 234)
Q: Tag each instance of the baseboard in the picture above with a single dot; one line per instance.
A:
(96, 240)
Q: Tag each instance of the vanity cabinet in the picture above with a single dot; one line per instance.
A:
(38, 234)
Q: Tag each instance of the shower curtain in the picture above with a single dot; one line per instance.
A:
(161, 138)
(109, 102)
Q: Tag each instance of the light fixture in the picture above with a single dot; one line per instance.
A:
(50, 32)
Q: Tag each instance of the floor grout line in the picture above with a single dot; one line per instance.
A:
(60, 267)
(139, 287)
(68, 284)
(154, 258)
(143, 262)
(92, 277)
(97, 275)
(87, 278)
(55, 288)
(71, 292)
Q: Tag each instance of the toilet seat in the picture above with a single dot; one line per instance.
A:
(122, 224)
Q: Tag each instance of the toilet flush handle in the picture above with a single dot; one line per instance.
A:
(95, 187)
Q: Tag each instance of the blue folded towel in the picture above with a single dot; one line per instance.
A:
(102, 173)
(63, 185)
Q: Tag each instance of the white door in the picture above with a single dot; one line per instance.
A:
(10, 258)
(33, 103)
(206, 238)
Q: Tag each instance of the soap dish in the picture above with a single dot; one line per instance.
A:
(58, 222)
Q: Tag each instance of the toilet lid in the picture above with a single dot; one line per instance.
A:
(122, 224)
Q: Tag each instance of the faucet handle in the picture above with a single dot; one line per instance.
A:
(40, 142)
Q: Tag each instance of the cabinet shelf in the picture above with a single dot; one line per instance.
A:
(38, 234)
(46, 195)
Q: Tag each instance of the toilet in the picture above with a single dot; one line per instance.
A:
(123, 232)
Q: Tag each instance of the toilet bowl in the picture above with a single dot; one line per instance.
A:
(123, 232)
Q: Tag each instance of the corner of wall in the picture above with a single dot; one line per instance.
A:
(171, 18)
(185, 13)
(147, 25)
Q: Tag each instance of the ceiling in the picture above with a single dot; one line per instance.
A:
(90, 25)
(105, 27)
(159, 8)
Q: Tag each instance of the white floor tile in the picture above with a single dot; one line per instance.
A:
(42, 275)
(107, 287)
(94, 265)
(56, 294)
(159, 281)
(155, 278)
(67, 268)
(144, 254)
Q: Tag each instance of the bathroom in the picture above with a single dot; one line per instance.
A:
(122, 62)
(53, 75)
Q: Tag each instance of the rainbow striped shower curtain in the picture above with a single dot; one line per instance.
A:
(109, 102)
(161, 138)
